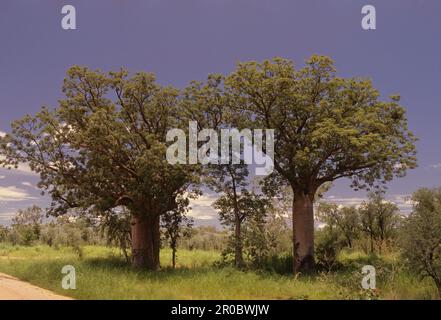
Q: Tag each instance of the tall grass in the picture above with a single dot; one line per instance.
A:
(102, 274)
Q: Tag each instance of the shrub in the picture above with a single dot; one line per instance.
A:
(26, 226)
(327, 249)
(421, 236)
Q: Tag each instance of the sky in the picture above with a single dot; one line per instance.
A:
(185, 40)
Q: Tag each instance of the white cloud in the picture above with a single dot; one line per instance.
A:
(205, 200)
(350, 201)
(2, 134)
(13, 193)
(403, 201)
(28, 184)
(7, 216)
(201, 208)
(200, 216)
(2, 177)
(436, 166)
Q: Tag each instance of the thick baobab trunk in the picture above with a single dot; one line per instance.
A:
(238, 256)
(303, 233)
(145, 242)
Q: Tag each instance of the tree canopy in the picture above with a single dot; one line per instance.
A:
(326, 128)
(104, 146)
(422, 235)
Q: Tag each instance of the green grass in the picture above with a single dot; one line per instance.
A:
(102, 274)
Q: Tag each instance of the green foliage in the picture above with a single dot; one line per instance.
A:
(374, 224)
(256, 245)
(69, 232)
(26, 226)
(244, 215)
(265, 240)
(328, 246)
(249, 205)
(379, 221)
(326, 127)
(116, 228)
(4, 233)
(206, 238)
(344, 221)
(236, 205)
(103, 274)
(176, 225)
(421, 235)
(104, 145)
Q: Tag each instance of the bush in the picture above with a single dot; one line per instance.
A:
(327, 249)
(4, 234)
(26, 226)
(421, 236)
(280, 263)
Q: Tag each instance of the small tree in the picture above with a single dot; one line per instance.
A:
(49, 234)
(235, 210)
(379, 220)
(4, 233)
(230, 180)
(116, 227)
(421, 236)
(344, 219)
(255, 241)
(27, 224)
(176, 225)
(328, 247)
(266, 238)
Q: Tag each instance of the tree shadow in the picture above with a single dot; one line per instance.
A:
(115, 264)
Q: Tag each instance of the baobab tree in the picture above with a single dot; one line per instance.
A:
(104, 147)
(326, 128)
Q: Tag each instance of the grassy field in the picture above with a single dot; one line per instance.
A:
(102, 274)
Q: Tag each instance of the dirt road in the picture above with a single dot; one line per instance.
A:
(13, 289)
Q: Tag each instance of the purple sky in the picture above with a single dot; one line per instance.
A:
(184, 40)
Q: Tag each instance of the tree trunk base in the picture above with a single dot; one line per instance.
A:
(303, 233)
(145, 242)
(306, 264)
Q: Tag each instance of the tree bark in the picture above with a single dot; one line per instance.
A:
(238, 256)
(349, 242)
(303, 233)
(174, 258)
(145, 242)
